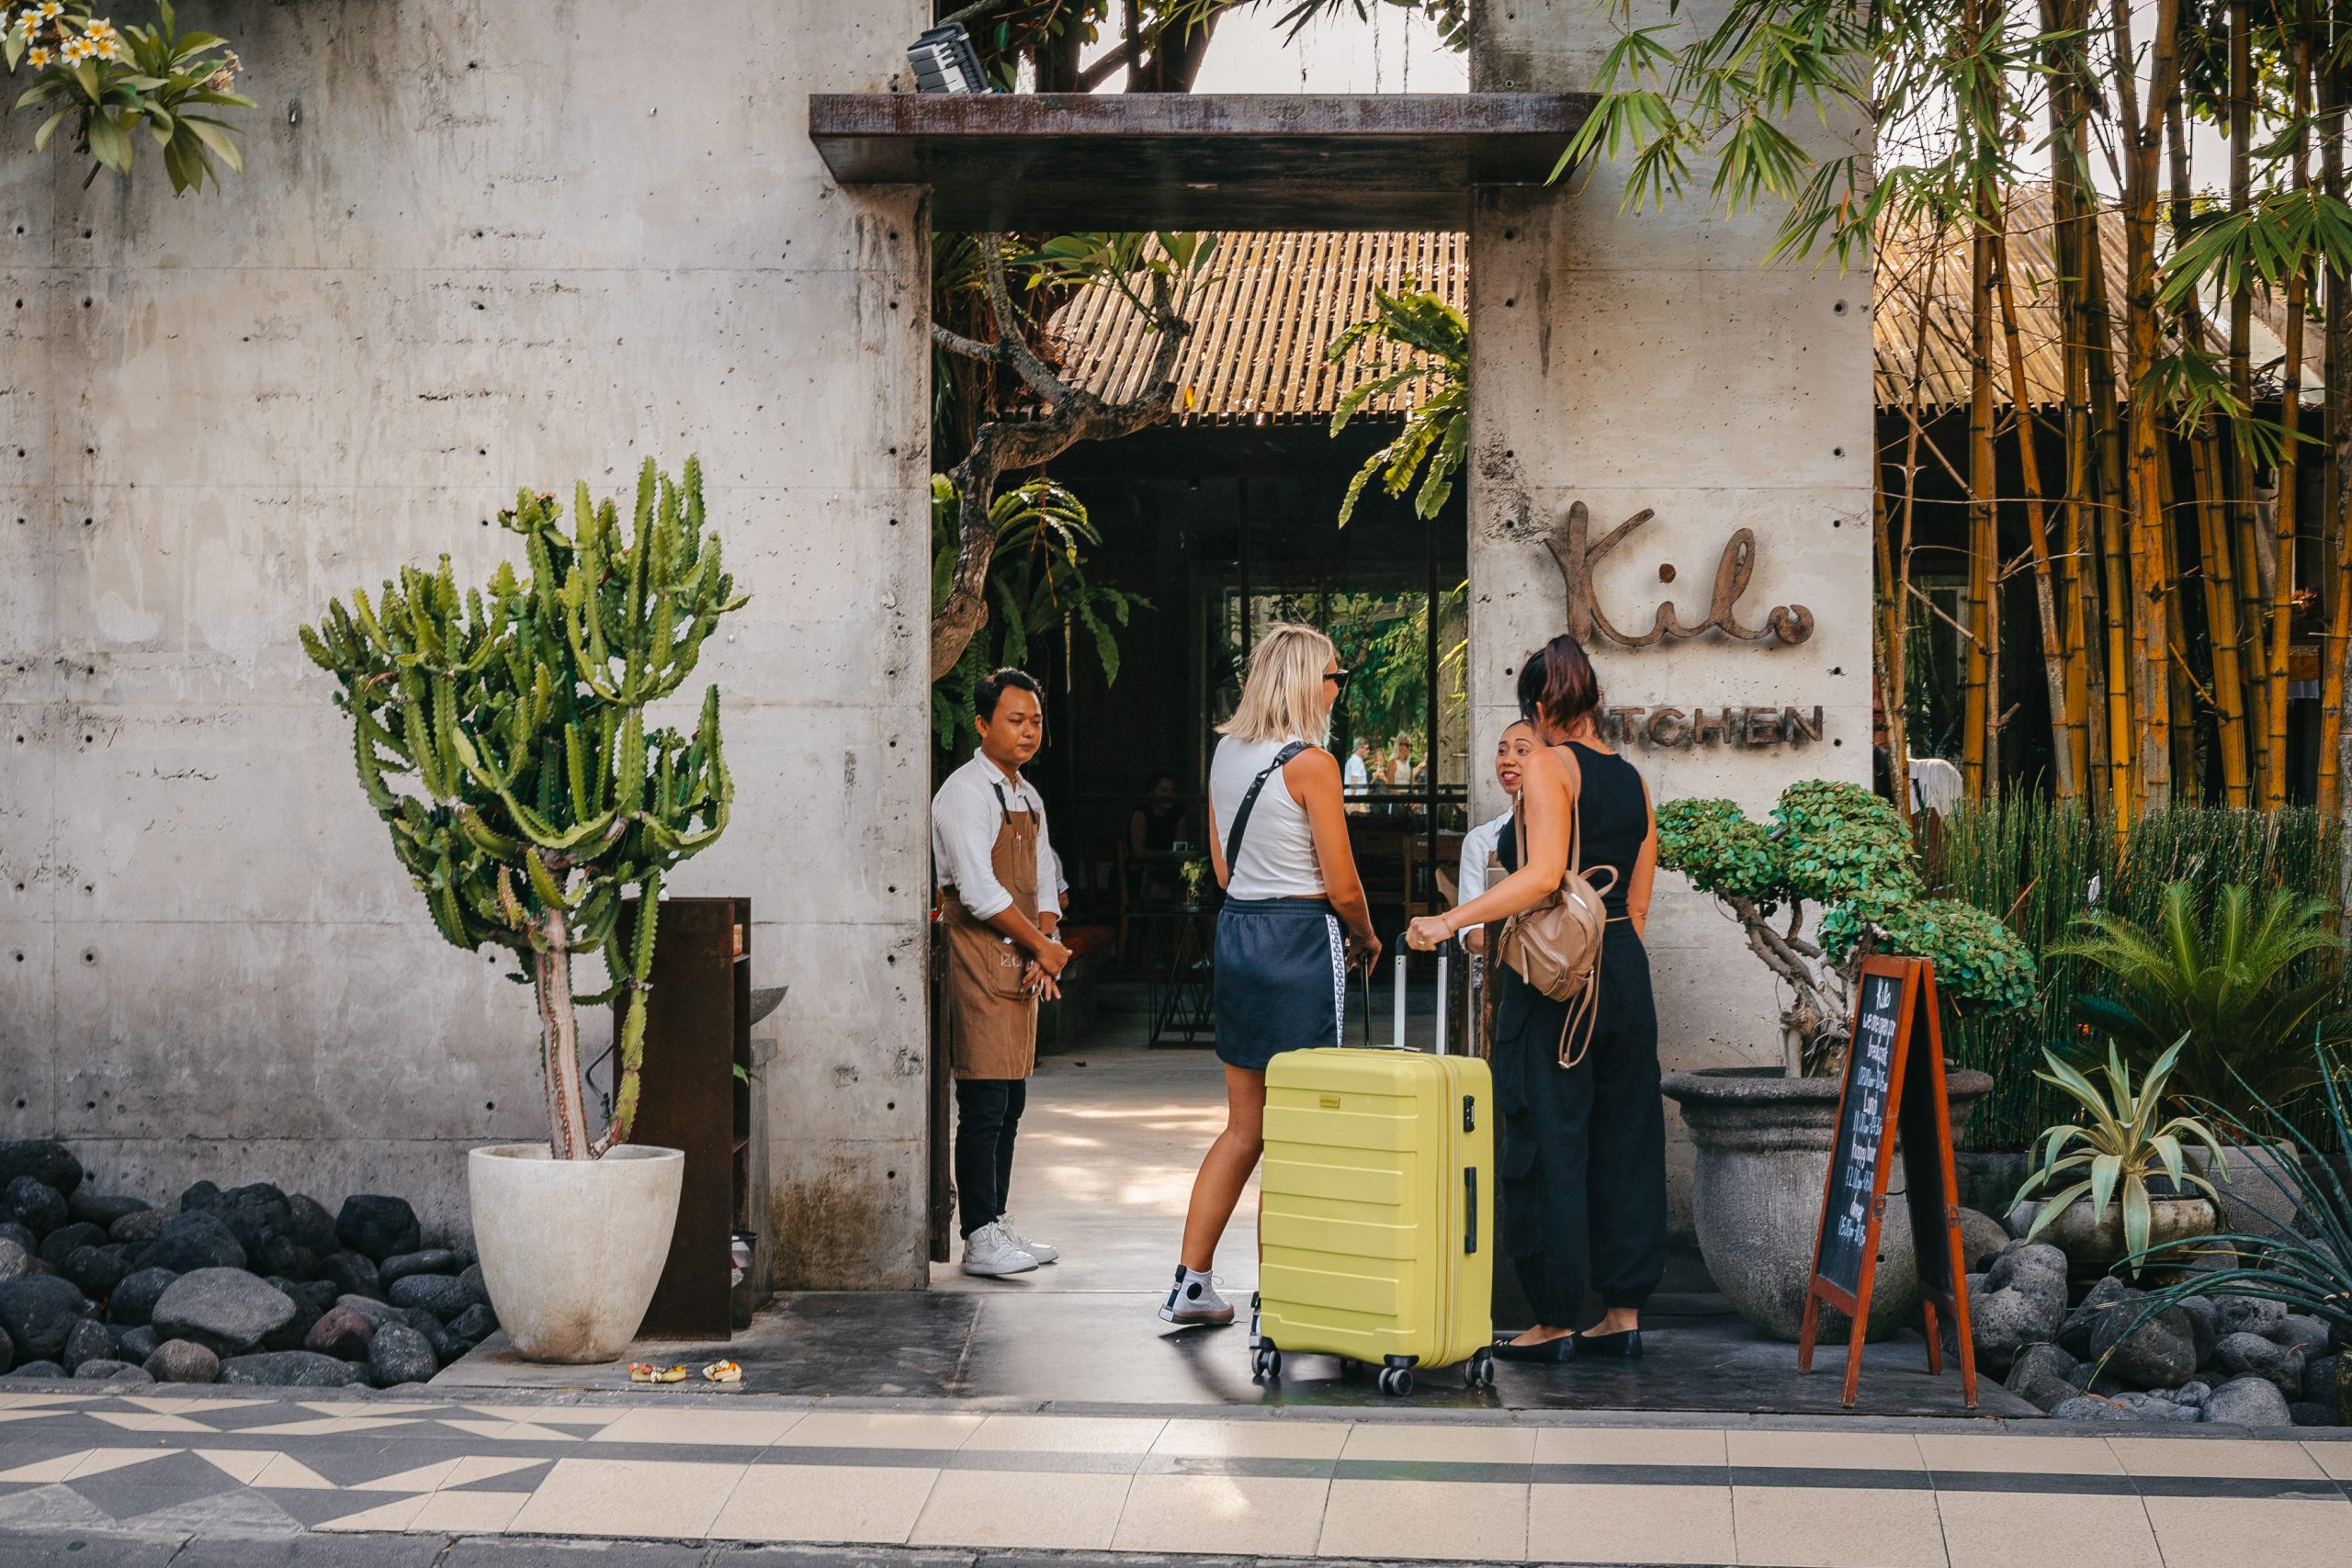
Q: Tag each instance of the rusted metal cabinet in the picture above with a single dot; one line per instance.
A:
(694, 1094)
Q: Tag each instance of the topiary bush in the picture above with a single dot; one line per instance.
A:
(1840, 849)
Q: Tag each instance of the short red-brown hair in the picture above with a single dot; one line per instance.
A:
(1557, 684)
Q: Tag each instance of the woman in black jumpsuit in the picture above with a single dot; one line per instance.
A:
(1584, 1146)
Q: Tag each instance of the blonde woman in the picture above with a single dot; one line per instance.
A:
(1295, 918)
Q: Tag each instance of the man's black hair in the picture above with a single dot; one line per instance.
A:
(992, 686)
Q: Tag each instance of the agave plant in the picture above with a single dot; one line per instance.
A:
(2243, 992)
(2112, 1154)
(2310, 1270)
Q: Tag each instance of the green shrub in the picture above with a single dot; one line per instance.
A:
(1841, 849)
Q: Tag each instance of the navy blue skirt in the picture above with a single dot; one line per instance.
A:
(1281, 978)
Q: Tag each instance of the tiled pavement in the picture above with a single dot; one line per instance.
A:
(1496, 1487)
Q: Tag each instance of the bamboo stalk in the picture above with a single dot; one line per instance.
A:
(2227, 691)
(2045, 596)
(2337, 651)
(2242, 521)
(1980, 720)
(2150, 654)
(2290, 389)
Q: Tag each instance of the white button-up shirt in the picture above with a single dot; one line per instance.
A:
(1479, 842)
(965, 816)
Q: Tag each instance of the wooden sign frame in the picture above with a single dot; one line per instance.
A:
(1916, 1108)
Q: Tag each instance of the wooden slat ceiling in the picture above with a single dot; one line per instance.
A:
(1257, 353)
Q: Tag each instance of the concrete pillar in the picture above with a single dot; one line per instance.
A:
(478, 244)
(1651, 360)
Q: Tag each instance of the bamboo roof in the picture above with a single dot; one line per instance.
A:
(1256, 354)
(1915, 259)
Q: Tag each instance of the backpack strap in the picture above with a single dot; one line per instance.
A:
(1249, 802)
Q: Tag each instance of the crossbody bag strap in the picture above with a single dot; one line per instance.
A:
(1249, 802)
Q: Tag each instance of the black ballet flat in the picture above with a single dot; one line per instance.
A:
(1550, 1353)
(1625, 1345)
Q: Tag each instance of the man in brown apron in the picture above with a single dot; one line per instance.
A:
(998, 900)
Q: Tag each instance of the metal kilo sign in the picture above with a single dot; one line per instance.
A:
(1894, 1087)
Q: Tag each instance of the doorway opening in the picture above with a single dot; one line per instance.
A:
(1215, 524)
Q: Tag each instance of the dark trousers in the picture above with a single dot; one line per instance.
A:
(987, 1116)
(1584, 1147)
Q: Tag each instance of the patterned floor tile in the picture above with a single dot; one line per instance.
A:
(469, 1513)
(485, 1469)
(393, 1515)
(240, 1512)
(243, 1465)
(54, 1506)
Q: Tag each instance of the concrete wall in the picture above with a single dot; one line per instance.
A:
(1647, 360)
(478, 245)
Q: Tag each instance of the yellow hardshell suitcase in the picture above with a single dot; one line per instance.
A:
(1376, 1226)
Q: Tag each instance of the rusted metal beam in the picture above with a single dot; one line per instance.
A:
(1002, 161)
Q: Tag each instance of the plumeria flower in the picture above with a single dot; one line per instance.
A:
(230, 62)
(103, 39)
(48, 10)
(39, 57)
(77, 50)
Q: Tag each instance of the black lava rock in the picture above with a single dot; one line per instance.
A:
(376, 1312)
(291, 1369)
(183, 1360)
(133, 1301)
(435, 1335)
(441, 1294)
(201, 1195)
(96, 1271)
(193, 1241)
(311, 1302)
(341, 1333)
(137, 1230)
(257, 1216)
(103, 1369)
(2249, 1401)
(309, 1224)
(2076, 1332)
(59, 1243)
(38, 1313)
(378, 1226)
(351, 1274)
(16, 1260)
(35, 1205)
(284, 1255)
(46, 1371)
(2162, 1353)
(399, 1355)
(471, 1326)
(7, 1353)
(49, 1163)
(432, 1260)
(88, 1340)
(83, 1204)
(138, 1343)
(11, 1231)
(228, 1308)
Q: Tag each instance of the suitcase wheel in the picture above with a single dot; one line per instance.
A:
(1266, 1361)
(1397, 1381)
(1479, 1372)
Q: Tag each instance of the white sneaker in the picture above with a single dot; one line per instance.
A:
(1042, 1251)
(1193, 1299)
(990, 1252)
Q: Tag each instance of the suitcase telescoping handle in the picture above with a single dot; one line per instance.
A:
(1398, 1041)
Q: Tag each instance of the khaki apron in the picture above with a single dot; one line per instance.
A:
(995, 1019)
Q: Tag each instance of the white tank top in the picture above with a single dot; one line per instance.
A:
(1277, 847)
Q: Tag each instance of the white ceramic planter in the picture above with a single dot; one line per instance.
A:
(572, 1249)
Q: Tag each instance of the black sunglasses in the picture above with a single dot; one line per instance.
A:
(1338, 677)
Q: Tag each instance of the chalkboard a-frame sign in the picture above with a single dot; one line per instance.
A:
(1895, 1063)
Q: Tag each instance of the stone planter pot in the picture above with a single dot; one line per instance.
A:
(2258, 1194)
(2094, 1247)
(572, 1249)
(1763, 1158)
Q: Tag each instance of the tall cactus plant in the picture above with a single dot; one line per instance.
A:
(534, 794)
